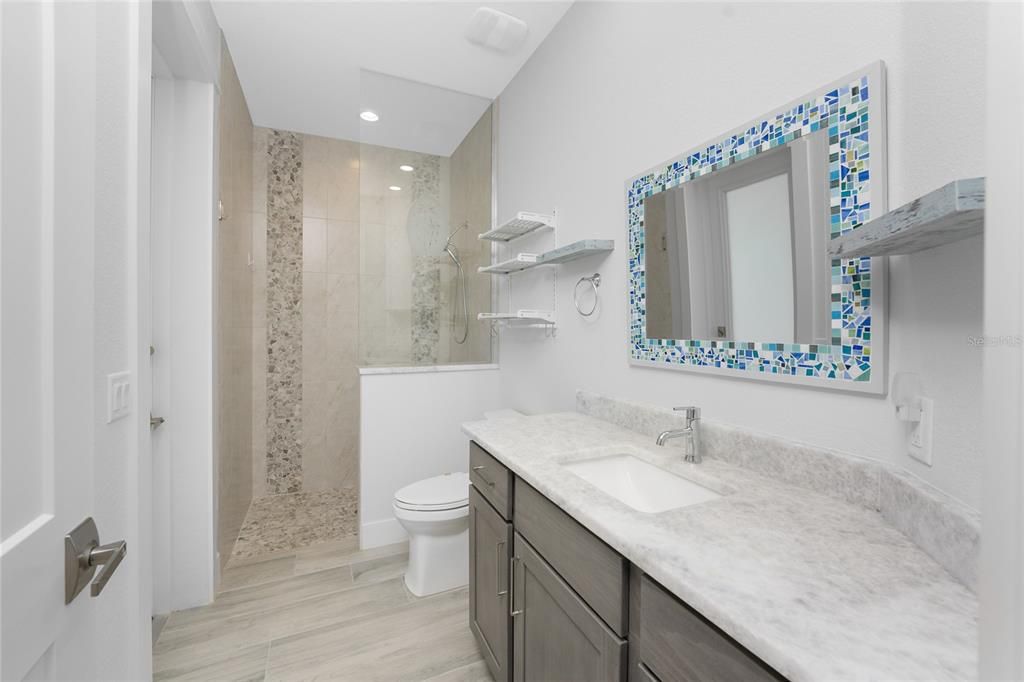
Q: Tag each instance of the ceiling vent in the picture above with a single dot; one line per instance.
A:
(496, 30)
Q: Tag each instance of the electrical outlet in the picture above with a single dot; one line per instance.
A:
(920, 444)
(119, 388)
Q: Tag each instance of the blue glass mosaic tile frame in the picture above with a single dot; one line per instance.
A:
(851, 111)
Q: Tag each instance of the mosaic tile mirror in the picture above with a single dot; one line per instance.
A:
(728, 262)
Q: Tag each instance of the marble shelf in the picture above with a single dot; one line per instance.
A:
(953, 212)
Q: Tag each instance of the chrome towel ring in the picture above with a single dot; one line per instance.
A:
(594, 281)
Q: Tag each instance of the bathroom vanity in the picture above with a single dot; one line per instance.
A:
(549, 600)
(765, 579)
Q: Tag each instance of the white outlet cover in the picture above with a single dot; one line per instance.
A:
(119, 394)
(919, 444)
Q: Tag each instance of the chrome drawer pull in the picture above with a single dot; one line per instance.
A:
(483, 478)
(512, 585)
(497, 570)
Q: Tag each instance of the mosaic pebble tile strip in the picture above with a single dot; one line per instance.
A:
(843, 113)
(284, 312)
(292, 521)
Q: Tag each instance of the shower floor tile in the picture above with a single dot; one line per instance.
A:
(280, 523)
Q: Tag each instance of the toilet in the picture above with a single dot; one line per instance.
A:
(435, 514)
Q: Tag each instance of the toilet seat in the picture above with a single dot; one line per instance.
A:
(436, 494)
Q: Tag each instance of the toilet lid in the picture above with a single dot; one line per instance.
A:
(447, 491)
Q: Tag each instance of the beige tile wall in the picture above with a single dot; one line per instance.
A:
(470, 203)
(234, 309)
(330, 304)
(330, 300)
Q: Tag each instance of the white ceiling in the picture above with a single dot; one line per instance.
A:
(311, 66)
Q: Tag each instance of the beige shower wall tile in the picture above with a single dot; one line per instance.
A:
(316, 175)
(259, 298)
(342, 427)
(314, 328)
(372, 209)
(259, 170)
(234, 239)
(314, 245)
(259, 411)
(372, 240)
(342, 298)
(314, 423)
(259, 241)
(343, 247)
(343, 186)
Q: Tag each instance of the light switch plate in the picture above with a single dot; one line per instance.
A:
(919, 445)
(119, 389)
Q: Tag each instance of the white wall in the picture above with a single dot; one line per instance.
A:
(185, 464)
(409, 429)
(1002, 551)
(618, 88)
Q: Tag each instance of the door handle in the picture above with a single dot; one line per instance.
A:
(83, 553)
(109, 557)
(154, 422)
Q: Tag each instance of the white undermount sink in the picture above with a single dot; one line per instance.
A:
(640, 485)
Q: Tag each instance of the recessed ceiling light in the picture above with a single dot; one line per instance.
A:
(406, 167)
(369, 116)
(395, 188)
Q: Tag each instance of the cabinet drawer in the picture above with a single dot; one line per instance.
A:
(677, 643)
(597, 572)
(492, 479)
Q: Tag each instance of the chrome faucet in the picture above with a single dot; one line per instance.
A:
(694, 454)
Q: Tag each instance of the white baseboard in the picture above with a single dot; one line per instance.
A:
(380, 533)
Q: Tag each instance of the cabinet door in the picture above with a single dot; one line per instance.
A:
(557, 636)
(490, 546)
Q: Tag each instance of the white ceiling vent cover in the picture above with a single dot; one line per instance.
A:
(496, 30)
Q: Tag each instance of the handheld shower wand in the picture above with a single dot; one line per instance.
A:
(453, 253)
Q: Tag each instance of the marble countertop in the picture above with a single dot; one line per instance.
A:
(817, 588)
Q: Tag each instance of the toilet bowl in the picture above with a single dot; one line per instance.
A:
(435, 514)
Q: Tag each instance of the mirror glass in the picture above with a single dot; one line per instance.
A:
(741, 253)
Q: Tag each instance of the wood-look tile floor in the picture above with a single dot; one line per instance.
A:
(325, 612)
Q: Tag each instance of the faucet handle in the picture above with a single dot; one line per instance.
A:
(691, 412)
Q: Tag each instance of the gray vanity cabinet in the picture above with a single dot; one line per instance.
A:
(551, 601)
(490, 547)
(556, 635)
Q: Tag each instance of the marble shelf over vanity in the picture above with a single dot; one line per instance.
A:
(953, 212)
(802, 568)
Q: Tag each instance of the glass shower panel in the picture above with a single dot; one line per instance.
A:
(420, 214)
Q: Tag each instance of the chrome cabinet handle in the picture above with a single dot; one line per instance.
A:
(155, 422)
(497, 569)
(512, 587)
(483, 478)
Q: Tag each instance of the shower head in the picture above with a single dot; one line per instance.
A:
(448, 244)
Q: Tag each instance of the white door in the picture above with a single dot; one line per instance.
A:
(74, 127)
